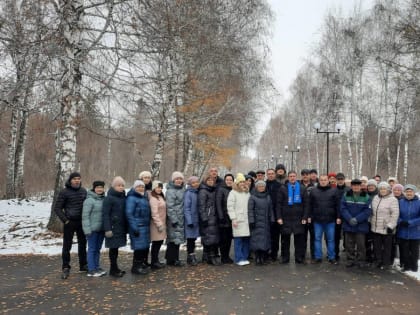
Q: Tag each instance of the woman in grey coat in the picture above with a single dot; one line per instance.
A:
(260, 216)
(175, 218)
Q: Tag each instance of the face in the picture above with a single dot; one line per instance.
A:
(229, 181)
(409, 194)
(158, 190)
(99, 190)
(139, 189)
(371, 188)
(75, 181)
(260, 176)
(260, 188)
(391, 182)
(383, 191)
(292, 178)
(323, 181)
(271, 175)
(210, 182)
(195, 184)
(243, 186)
(305, 177)
(333, 180)
(341, 181)
(356, 188)
(119, 187)
(213, 172)
(249, 182)
(313, 176)
(378, 179)
(178, 181)
(397, 192)
(146, 179)
(280, 172)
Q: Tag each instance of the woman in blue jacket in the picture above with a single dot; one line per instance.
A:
(137, 211)
(191, 218)
(408, 232)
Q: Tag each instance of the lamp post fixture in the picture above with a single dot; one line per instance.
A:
(338, 127)
(286, 148)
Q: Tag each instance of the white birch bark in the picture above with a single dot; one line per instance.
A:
(388, 155)
(405, 164)
(397, 162)
(377, 151)
(350, 158)
(362, 141)
(157, 157)
(340, 153)
(20, 156)
(11, 149)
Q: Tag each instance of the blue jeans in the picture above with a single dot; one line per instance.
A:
(241, 248)
(329, 230)
(95, 241)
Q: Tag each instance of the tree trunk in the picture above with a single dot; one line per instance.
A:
(188, 167)
(340, 153)
(377, 151)
(397, 162)
(11, 150)
(157, 157)
(388, 154)
(362, 141)
(350, 158)
(20, 156)
(405, 170)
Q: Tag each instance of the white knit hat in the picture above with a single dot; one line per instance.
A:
(137, 183)
(177, 174)
(145, 174)
(117, 180)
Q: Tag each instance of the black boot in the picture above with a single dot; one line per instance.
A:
(192, 260)
(65, 274)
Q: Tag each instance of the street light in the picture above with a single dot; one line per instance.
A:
(338, 127)
(286, 148)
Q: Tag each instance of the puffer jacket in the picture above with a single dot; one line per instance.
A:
(114, 218)
(69, 203)
(191, 213)
(175, 213)
(92, 220)
(410, 212)
(222, 194)
(209, 228)
(385, 213)
(158, 211)
(260, 215)
(137, 211)
(237, 205)
(324, 204)
(358, 207)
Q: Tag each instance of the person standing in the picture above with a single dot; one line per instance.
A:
(175, 218)
(157, 222)
(341, 190)
(409, 229)
(225, 225)
(313, 174)
(292, 215)
(309, 227)
(355, 212)
(273, 187)
(214, 173)
(385, 213)
(372, 191)
(191, 218)
(68, 207)
(260, 216)
(146, 178)
(115, 223)
(281, 176)
(137, 211)
(93, 227)
(237, 205)
(325, 214)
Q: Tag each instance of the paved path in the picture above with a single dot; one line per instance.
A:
(32, 284)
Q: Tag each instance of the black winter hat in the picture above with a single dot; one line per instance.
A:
(340, 176)
(280, 167)
(312, 171)
(252, 174)
(97, 183)
(73, 175)
(305, 171)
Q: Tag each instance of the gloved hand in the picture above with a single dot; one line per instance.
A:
(389, 230)
(160, 229)
(136, 233)
(174, 225)
(205, 223)
(404, 223)
(353, 221)
(252, 226)
(190, 225)
(108, 234)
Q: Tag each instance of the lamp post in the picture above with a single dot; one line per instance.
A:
(338, 127)
(286, 148)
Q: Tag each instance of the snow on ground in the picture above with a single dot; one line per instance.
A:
(23, 230)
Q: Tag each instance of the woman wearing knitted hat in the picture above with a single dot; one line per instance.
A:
(157, 223)
(115, 225)
(137, 210)
(146, 177)
(191, 218)
(397, 191)
(409, 229)
(237, 205)
(175, 218)
(385, 212)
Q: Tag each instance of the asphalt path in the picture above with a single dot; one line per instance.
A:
(31, 284)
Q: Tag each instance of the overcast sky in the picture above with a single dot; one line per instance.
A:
(296, 30)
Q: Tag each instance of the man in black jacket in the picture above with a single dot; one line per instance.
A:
(325, 214)
(273, 188)
(68, 207)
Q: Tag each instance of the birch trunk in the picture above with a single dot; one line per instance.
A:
(397, 162)
(188, 167)
(317, 153)
(388, 155)
(356, 151)
(362, 141)
(405, 167)
(340, 153)
(11, 149)
(157, 157)
(20, 156)
(350, 158)
(377, 151)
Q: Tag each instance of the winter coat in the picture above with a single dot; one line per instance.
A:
(292, 215)
(410, 212)
(222, 194)
(114, 218)
(137, 211)
(341, 190)
(273, 187)
(69, 203)
(209, 227)
(355, 207)
(92, 220)
(260, 215)
(191, 213)
(158, 211)
(175, 213)
(237, 205)
(324, 205)
(385, 213)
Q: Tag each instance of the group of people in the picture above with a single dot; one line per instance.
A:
(259, 211)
